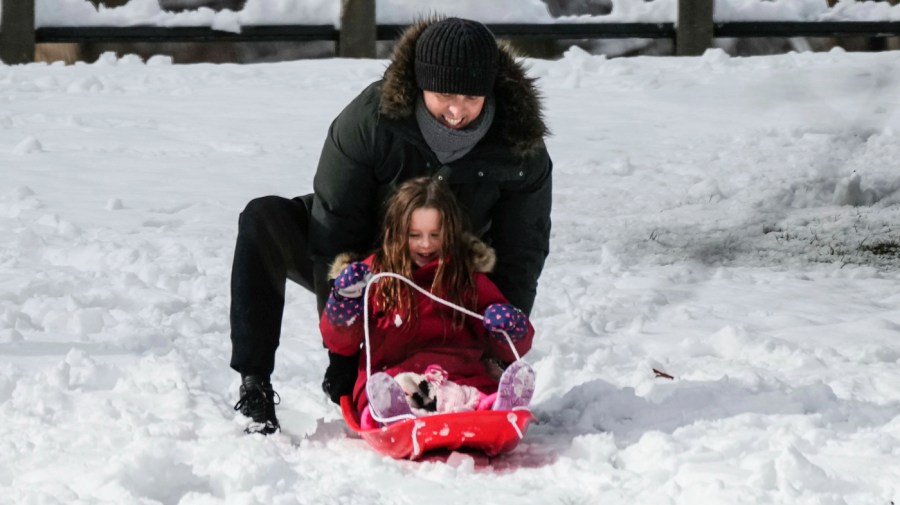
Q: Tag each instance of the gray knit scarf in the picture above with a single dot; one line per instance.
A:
(449, 144)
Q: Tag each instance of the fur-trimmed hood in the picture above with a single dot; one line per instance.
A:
(482, 255)
(519, 119)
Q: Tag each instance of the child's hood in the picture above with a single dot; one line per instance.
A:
(482, 255)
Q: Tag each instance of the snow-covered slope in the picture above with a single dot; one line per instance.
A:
(703, 225)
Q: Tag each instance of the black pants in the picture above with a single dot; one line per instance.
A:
(272, 246)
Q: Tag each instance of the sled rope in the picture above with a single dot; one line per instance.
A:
(417, 450)
(373, 279)
(512, 418)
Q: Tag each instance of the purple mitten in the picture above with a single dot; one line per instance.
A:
(352, 280)
(504, 317)
(343, 311)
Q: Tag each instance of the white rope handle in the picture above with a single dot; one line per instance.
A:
(375, 278)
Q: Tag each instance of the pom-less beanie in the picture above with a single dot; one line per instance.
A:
(457, 56)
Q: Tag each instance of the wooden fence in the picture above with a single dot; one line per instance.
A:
(693, 33)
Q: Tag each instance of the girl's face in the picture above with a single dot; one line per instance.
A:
(425, 236)
(453, 111)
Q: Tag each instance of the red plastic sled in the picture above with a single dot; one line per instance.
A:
(493, 432)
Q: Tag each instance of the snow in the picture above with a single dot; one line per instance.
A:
(714, 218)
(313, 12)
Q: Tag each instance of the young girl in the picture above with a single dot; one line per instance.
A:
(428, 357)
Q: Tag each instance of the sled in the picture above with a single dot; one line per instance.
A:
(492, 432)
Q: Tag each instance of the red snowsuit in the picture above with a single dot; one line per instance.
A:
(429, 339)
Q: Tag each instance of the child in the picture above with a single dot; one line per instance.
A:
(427, 357)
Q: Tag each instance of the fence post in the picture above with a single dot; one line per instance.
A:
(16, 31)
(694, 31)
(357, 37)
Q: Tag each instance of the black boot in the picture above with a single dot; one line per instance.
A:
(258, 402)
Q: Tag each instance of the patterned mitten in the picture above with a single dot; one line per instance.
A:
(499, 317)
(352, 280)
(343, 311)
(345, 303)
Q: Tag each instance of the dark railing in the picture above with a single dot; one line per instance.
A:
(184, 34)
(330, 33)
(577, 31)
(806, 28)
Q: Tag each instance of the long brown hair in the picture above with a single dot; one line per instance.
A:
(454, 279)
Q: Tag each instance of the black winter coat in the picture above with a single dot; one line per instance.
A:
(503, 183)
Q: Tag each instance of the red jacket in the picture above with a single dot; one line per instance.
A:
(432, 339)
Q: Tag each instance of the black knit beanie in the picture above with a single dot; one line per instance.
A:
(457, 56)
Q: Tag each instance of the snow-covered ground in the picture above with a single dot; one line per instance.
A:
(703, 225)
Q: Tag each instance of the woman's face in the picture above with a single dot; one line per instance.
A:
(453, 111)
(425, 236)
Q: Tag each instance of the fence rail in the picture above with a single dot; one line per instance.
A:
(330, 33)
(185, 34)
(807, 28)
(577, 31)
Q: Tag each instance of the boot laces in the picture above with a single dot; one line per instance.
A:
(258, 403)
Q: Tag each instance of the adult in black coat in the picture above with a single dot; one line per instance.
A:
(452, 105)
